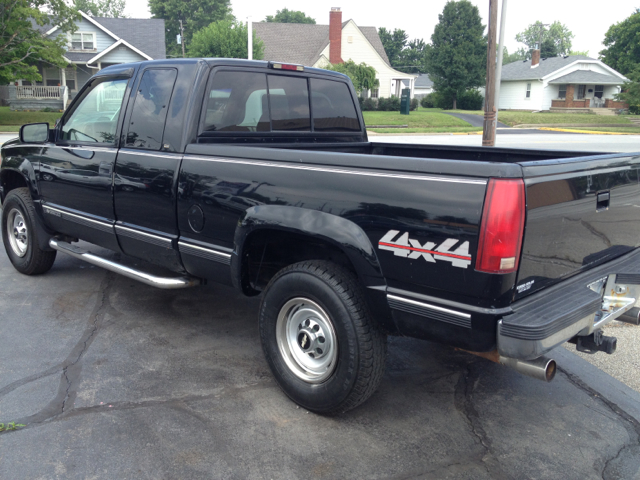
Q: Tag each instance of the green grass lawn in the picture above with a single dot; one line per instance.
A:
(424, 118)
(402, 131)
(11, 121)
(520, 118)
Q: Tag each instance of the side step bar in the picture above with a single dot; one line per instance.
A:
(167, 283)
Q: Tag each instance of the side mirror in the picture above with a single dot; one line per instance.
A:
(34, 133)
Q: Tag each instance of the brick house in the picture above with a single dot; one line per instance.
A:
(319, 45)
(576, 82)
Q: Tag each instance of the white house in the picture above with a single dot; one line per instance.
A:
(423, 85)
(319, 45)
(571, 82)
(97, 43)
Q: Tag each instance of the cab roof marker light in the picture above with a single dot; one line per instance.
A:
(502, 226)
(286, 66)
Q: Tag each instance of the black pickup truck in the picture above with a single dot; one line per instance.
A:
(260, 175)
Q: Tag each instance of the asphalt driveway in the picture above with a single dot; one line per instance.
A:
(115, 379)
(474, 120)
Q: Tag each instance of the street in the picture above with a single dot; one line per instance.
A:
(116, 379)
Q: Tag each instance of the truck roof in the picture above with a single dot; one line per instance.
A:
(215, 62)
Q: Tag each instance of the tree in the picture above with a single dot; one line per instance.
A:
(101, 8)
(195, 15)
(403, 55)
(412, 57)
(623, 45)
(631, 91)
(22, 46)
(456, 58)
(289, 16)
(393, 44)
(584, 53)
(518, 55)
(556, 39)
(362, 75)
(225, 38)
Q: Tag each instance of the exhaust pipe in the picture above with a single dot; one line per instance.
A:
(631, 316)
(542, 368)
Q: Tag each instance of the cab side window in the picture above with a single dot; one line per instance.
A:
(95, 118)
(146, 125)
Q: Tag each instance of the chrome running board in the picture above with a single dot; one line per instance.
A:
(167, 283)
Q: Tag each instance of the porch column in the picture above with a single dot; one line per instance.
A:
(63, 77)
(569, 97)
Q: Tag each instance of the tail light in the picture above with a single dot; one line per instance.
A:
(502, 226)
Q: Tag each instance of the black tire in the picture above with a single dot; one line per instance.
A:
(321, 294)
(22, 245)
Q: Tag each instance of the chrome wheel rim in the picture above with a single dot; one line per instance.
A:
(17, 232)
(307, 340)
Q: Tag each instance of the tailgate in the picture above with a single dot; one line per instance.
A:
(581, 213)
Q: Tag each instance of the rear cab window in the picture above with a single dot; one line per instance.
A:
(251, 103)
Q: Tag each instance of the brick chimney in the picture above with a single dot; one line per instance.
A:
(335, 35)
(535, 58)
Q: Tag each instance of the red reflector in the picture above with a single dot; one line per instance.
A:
(502, 226)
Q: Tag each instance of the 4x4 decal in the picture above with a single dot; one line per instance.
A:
(403, 246)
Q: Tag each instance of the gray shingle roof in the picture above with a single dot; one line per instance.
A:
(146, 34)
(303, 43)
(423, 81)
(588, 77)
(79, 56)
(521, 70)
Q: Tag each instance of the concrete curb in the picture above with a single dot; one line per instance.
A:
(591, 132)
(573, 125)
(608, 387)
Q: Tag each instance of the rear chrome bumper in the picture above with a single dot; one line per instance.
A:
(577, 307)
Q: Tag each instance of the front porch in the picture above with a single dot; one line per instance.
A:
(586, 97)
(38, 97)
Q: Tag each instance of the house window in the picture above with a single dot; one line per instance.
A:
(82, 41)
(562, 92)
(581, 91)
(374, 93)
(599, 93)
(528, 94)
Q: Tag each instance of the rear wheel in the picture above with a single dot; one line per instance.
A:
(19, 234)
(323, 348)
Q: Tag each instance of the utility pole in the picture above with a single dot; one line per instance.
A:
(250, 30)
(503, 18)
(182, 38)
(489, 126)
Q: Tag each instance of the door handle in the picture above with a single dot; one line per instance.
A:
(602, 200)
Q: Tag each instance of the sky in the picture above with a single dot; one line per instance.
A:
(418, 17)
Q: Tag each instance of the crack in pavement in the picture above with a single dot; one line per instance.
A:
(463, 400)
(181, 402)
(71, 366)
(630, 423)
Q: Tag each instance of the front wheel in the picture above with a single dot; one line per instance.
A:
(19, 234)
(323, 348)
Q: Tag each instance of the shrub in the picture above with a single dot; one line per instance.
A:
(383, 104)
(427, 101)
(369, 104)
(634, 109)
(414, 104)
(470, 100)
